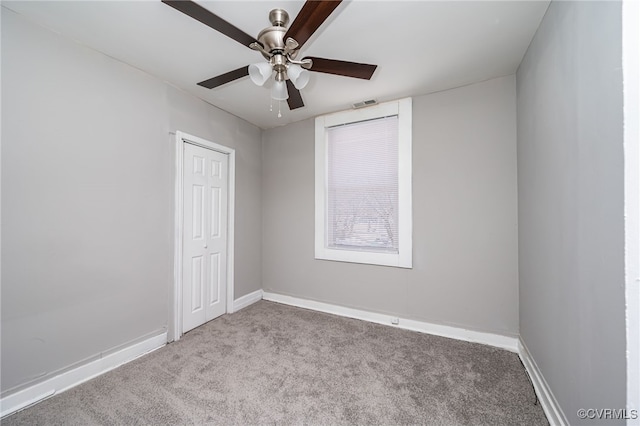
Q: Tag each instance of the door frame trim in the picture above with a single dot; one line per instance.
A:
(175, 323)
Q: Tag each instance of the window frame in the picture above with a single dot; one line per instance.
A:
(403, 259)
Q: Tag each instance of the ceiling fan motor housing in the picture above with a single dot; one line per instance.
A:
(272, 38)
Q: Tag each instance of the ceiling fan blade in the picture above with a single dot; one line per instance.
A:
(344, 68)
(225, 78)
(295, 99)
(210, 19)
(311, 16)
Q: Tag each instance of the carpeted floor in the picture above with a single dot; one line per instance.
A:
(275, 364)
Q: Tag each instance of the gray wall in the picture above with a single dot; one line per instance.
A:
(87, 200)
(464, 217)
(570, 201)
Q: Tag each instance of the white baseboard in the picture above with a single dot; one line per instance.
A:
(550, 405)
(246, 300)
(64, 381)
(497, 340)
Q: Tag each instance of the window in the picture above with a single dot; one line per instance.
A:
(363, 185)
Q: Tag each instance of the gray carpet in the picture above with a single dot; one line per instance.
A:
(275, 364)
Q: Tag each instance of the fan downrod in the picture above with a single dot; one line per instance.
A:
(279, 18)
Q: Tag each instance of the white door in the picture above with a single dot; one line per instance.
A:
(204, 272)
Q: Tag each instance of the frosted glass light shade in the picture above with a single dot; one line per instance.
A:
(260, 72)
(298, 75)
(279, 91)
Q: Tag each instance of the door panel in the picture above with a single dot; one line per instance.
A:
(215, 212)
(196, 284)
(198, 212)
(214, 279)
(204, 282)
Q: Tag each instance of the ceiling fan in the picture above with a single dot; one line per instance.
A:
(280, 46)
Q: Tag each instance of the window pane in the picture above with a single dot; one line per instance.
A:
(363, 186)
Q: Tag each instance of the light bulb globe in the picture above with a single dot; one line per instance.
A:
(260, 72)
(298, 76)
(279, 91)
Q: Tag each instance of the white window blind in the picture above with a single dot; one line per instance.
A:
(362, 186)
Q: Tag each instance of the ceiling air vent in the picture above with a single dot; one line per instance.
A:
(365, 103)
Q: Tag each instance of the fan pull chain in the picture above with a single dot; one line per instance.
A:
(279, 113)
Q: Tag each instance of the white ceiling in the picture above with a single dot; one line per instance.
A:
(419, 46)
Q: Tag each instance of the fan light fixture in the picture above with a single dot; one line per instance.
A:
(280, 58)
(261, 71)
